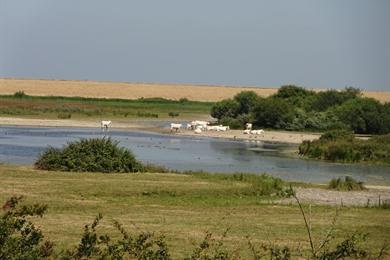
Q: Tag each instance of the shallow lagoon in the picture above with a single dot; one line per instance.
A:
(22, 145)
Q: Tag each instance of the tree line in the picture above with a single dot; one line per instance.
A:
(297, 108)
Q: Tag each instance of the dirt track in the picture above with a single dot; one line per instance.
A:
(138, 90)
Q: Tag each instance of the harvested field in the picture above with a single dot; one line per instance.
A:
(123, 90)
(137, 90)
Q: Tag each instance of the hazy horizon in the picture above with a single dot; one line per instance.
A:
(322, 44)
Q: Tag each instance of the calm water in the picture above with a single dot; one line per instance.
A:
(22, 145)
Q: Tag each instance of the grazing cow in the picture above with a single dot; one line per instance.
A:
(189, 126)
(248, 126)
(105, 124)
(175, 127)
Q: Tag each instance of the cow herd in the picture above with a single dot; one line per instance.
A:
(199, 126)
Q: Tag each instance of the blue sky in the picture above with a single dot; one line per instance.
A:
(332, 43)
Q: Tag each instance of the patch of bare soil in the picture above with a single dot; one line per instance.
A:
(319, 196)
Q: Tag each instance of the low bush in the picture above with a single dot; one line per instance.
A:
(64, 115)
(19, 237)
(173, 114)
(89, 155)
(342, 146)
(20, 94)
(348, 184)
(146, 114)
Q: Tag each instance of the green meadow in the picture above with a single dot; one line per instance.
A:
(182, 207)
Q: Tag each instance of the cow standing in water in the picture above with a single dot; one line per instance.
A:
(105, 125)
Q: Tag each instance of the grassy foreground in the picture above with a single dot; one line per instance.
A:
(182, 207)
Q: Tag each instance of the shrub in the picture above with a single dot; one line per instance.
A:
(331, 98)
(246, 101)
(273, 113)
(64, 115)
(173, 114)
(348, 184)
(233, 123)
(343, 146)
(225, 108)
(337, 135)
(144, 245)
(363, 116)
(19, 237)
(89, 155)
(146, 114)
(20, 94)
(183, 100)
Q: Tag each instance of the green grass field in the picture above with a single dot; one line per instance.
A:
(77, 107)
(182, 207)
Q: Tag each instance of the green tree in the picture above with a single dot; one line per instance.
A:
(274, 113)
(363, 116)
(225, 108)
(295, 95)
(331, 98)
(246, 101)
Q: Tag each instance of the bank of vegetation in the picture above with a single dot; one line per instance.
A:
(21, 104)
(297, 108)
(346, 184)
(343, 146)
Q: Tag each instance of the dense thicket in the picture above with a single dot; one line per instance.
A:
(89, 155)
(296, 108)
(344, 147)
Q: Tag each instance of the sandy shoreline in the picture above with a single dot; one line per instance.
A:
(268, 136)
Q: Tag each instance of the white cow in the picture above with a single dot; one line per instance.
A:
(247, 132)
(198, 131)
(105, 124)
(213, 127)
(189, 126)
(175, 127)
(196, 123)
(223, 128)
(257, 132)
(248, 126)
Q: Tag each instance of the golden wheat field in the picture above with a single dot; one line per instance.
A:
(69, 88)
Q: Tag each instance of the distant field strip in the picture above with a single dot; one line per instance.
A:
(137, 90)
